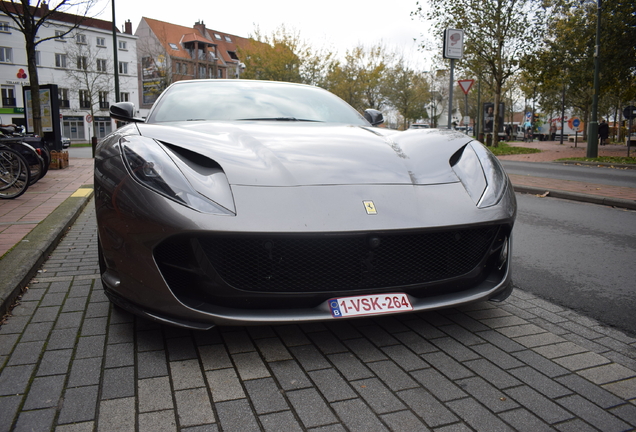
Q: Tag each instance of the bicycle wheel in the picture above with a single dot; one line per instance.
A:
(14, 174)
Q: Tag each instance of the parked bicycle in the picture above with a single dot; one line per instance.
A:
(14, 173)
(34, 150)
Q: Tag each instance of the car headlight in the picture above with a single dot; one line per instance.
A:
(152, 166)
(481, 174)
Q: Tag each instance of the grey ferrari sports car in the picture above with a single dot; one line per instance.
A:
(242, 202)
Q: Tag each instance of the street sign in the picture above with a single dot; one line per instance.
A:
(453, 43)
(576, 124)
(630, 112)
(466, 85)
(89, 118)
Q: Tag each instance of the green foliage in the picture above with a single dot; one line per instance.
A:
(605, 159)
(504, 149)
(283, 56)
(359, 78)
(407, 91)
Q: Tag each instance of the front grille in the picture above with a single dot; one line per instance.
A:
(321, 263)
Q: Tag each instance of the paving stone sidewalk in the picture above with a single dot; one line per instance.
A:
(69, 361)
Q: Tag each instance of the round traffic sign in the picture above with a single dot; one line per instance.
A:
(575, 124)
(629, 112)
(89, 118)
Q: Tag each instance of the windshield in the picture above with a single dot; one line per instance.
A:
(250, 100)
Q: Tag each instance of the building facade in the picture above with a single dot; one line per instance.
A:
(169, 52)
(80, 63)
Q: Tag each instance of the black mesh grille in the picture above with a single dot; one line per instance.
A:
(343, 263)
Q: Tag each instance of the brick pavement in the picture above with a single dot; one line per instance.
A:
(69, 361)
(21, 215)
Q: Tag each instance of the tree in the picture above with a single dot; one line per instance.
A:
(360, 77)
(407, 91)
(283, 56)
(566, 57)
(497, 34)
(28, 20)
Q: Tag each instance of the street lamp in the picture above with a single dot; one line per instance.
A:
(592, 132)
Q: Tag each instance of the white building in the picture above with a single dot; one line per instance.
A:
(79, 63)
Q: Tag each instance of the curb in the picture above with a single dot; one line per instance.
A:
(576, 196)
(596, 164)
(20, 265)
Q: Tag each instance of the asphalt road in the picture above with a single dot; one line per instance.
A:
(578, 255)
(589, 174)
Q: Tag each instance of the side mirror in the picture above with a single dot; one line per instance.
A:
(124, 111)
(374, 117)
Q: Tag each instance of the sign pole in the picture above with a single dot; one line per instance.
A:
(450, 93)
(453, 49)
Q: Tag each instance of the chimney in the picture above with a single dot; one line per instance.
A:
(128, 27)
(44, 7)
(200, 26)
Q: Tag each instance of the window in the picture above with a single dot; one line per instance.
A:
(74, 127)
(174, 47)
(218, 36)
(37, 58)
(227, 39)
(123, 68)
(60, 60)
(59, 35)
(80, 38)
(4, 27)
(81, 62)
(101, 42)
(124, 97)
(62, 94)
(101, 65)
(123, 45)
(5, 55)
(8, 96)
(103, 126)
(84, 99)
(103, 100)
(232, 55)
(202, 72)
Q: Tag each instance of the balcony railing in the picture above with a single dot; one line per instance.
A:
(8, 102)
(85, 104)
(65, 103)
(104, 105)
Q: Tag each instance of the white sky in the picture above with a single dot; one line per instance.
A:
(337, 25)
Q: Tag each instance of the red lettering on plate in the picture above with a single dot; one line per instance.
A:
(356, 305)
(375, 304)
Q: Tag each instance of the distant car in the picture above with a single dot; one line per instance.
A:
(66, 142)
(419, 126)
(253, 202)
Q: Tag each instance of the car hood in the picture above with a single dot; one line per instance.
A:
(257, 153)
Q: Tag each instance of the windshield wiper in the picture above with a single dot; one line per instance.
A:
(277, 119)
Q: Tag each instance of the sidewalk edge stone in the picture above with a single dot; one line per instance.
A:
(575, 196)
(21, 263)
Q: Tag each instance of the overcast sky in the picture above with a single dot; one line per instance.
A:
(334, 24)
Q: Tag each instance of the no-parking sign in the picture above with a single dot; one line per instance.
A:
(576, 124)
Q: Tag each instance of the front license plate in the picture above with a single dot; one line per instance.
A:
(369, 305)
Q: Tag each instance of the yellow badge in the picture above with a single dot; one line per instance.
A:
(370, 207)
